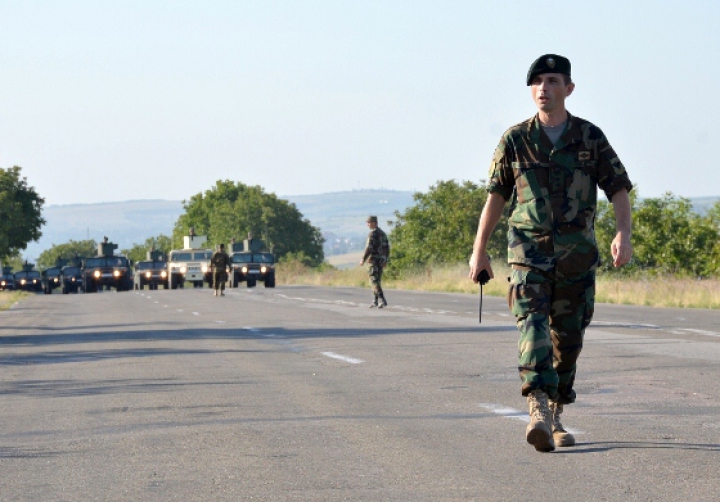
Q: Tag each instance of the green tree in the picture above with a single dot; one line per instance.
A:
(66, 251)
(441, 226)
(231, 210)
(20, 213)
(138, 252)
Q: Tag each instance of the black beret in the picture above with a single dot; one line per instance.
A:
(549, 63)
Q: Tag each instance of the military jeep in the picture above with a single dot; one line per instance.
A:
(190, 264)
(250, 264)
(50, 277)
(106, 271)
(71, 279)
(7, 281)
(28, 279)
(151, 272)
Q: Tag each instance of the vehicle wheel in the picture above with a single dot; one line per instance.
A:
(250, 283)
(270, 281)
(235, 281)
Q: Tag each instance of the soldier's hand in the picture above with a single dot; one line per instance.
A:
(362, 262)
(478, 263)
(621, 250)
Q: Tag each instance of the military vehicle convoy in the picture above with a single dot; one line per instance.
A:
(106, 271)
(190, 264)
(7, 281)
(151, 272)
(251, 263)
(28, 279)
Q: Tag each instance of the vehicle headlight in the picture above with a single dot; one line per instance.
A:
(97, 274)
(244, 270)
(73, 279)
(204, 268)
(56, 279)
(23, 281)
(263, 269)
(183, 270)
(34, 281)
(163, 274)
(148, 274)
(2, 283)
(116, 273)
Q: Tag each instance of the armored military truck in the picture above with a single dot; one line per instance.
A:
(50, 277)
(251, 263)
(106, 271)
(28, 279)
(71, 279)
(151, 272)
(7, 281)
(190, 264)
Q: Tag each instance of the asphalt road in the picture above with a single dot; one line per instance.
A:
(303, 393)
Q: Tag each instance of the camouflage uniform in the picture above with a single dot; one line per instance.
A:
(219, 263)
(377, 250)
(551, 242)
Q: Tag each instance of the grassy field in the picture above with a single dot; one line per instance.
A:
(8, 298)
(656, 292)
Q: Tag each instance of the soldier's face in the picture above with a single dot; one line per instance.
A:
(372, 225)
(549, 91)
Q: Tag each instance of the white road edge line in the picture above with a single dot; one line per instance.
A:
(507, 412)
(347, 359)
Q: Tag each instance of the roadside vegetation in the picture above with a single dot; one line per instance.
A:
(9, 298)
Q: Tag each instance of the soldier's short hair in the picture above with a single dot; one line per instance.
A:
(372, 219)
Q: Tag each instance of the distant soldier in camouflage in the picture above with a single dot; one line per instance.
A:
(220, 261)
(549, 168)
(377, 251)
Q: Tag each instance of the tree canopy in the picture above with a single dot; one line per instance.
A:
(20, 213)
(441, 226)
(667, 236)
(138, 252)
(66, 251)
(231, 210)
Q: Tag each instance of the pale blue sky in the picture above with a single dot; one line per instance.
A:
(117, 100)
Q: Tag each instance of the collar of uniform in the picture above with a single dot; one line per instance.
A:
(570, 136)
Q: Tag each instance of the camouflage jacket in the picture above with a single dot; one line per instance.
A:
(553, 193)
(220, 260)
(377, 248)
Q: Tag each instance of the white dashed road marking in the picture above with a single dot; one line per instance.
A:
(347, 359)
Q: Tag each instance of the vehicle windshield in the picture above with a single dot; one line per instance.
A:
(52, 272)
(150, 265)
(107, 261)
(71, 271)
(180, 256)
(205, 255)
(242, 258)
(263, 258)
(29, 275)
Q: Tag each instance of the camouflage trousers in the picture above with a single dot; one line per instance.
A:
(219, 279)
(376, 272)
(552, 314)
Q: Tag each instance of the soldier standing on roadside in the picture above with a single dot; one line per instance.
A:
(549, 167)
(376, 255)
(220, 261)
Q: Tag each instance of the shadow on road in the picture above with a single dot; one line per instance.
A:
(598, 447)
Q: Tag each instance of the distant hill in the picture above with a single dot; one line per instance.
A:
(340, 216)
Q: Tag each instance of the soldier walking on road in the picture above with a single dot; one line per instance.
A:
(377, 251)
(220, 261)
(549, 167)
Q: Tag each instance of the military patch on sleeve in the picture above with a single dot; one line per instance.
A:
(583, 155)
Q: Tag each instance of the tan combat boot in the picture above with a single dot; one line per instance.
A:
(539, 431)
(560, 435)
(215, 293)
